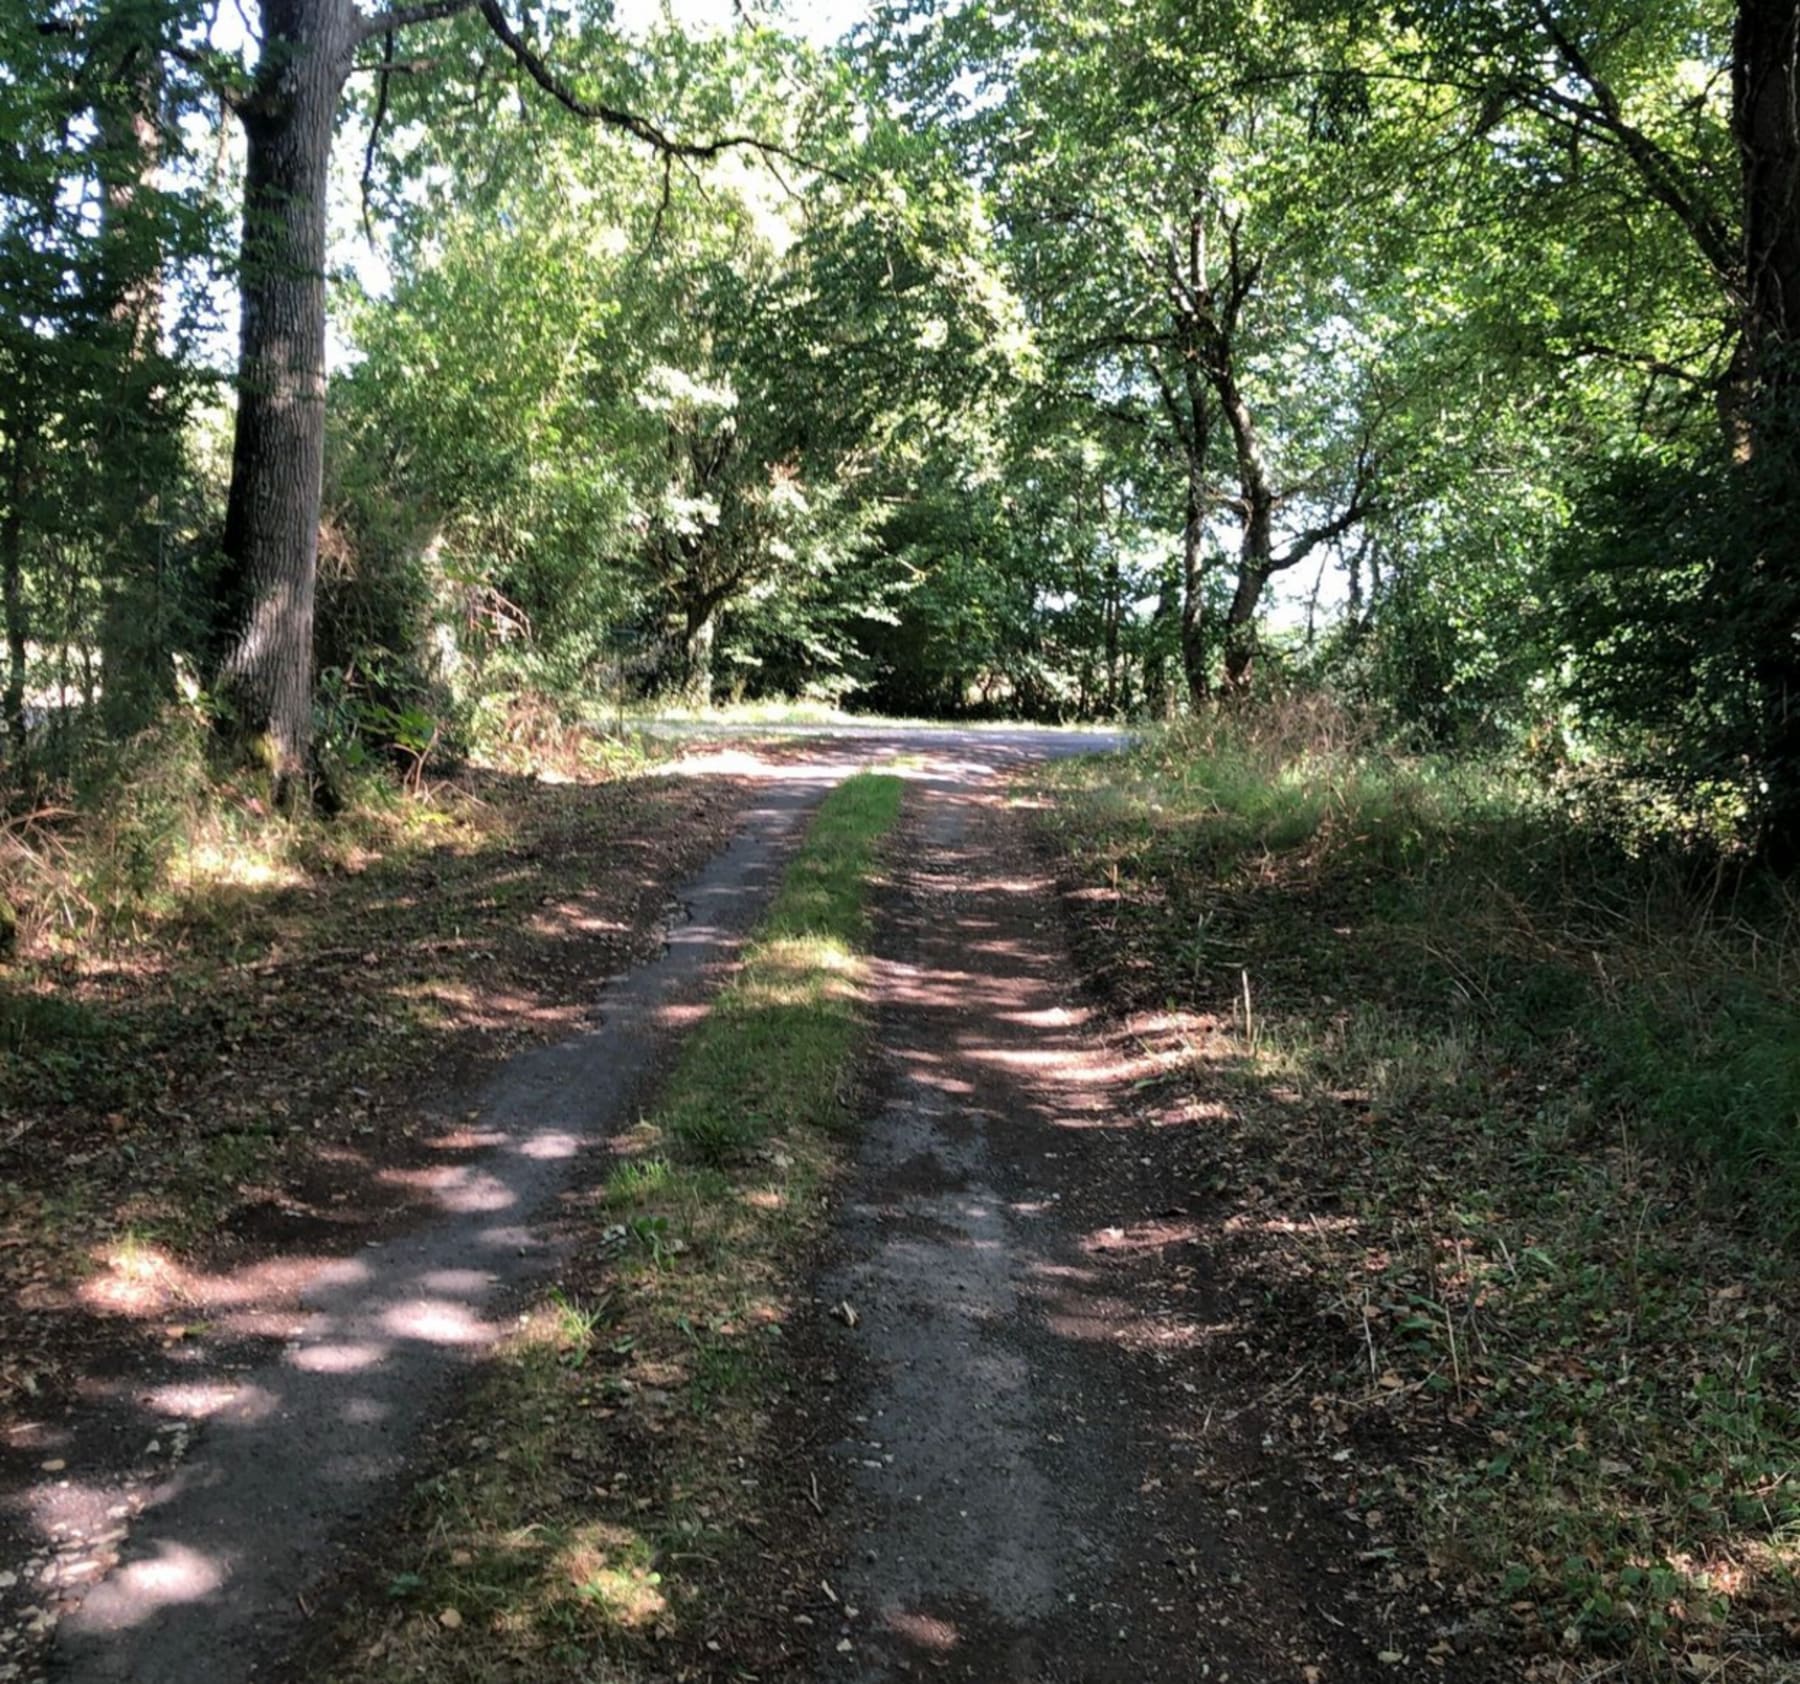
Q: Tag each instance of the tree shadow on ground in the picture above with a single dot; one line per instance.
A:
(298, 1072)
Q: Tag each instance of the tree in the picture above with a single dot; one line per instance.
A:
(289, 103)
(92, 400)
(1192, 238)
(1686, 109)
(674, 419)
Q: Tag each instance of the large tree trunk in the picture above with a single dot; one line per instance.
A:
(135, 663)
(277, 466)
(1766, 125)
(1256, 549)
(1240, 630)
(1159, 689)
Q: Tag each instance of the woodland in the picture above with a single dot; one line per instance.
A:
(1072, 362)
(1379, 418)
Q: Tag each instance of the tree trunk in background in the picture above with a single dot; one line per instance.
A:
(1195, 656)
(1766, 125)
(1256, 549)
(135, 657)
(697, 656)
(1115, 612)
(12, 595)
(278, 453)
(1240, 631)
(1159, 691)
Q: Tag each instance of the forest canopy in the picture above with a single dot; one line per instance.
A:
(1114, 359)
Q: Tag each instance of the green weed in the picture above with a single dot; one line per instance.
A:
(773, 1050)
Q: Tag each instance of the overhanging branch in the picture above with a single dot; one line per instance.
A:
(630, 122)
(404, 17)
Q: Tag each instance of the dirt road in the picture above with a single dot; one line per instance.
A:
(193, 1558)
(280, 1462)
(1057, 1463)
(1055, 1460)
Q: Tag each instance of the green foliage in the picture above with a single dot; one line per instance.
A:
(100, 547)
(1503, 909)
(615, 433)
(958, 377)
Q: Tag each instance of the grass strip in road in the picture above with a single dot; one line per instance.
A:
(600, 1492)
(774, 1051)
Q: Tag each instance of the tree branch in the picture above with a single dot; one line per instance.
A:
(1362, 504)
(613, 116)
(215, 70)
(404, 17)
(1632, 359)
(1661, 171)
(375, 123)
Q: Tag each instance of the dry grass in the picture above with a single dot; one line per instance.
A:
(263, 1018)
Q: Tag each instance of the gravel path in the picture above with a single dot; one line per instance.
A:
(281, 1464)
(1058, 1466)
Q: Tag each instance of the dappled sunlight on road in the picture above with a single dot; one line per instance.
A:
(1031, 1269)
(289, 1389)
(337, 1357)
(173, 1574)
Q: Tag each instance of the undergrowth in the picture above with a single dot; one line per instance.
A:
(602, 1474)
(1520, 1097)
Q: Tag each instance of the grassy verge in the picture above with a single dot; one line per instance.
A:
(217, 1027)
(607, 1468)
(1514, 1116)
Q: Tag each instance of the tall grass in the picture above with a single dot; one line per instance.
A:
(1480, 893)
(1543, 1072)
